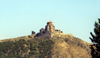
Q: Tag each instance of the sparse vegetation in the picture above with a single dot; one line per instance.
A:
(19, 49)
(64, 46)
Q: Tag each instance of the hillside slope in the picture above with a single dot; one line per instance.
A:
(60, 45)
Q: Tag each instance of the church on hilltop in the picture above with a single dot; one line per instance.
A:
(49, 29)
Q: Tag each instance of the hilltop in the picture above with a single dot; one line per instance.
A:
(48, 43)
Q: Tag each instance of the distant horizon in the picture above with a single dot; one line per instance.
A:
(20, 17)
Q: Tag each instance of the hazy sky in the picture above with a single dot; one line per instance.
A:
(20, 17)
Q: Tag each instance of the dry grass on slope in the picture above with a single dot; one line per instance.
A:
(63, 49)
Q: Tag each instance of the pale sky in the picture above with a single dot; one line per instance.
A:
(20, 17)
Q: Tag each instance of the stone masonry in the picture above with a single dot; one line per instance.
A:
(49, 27)
(48, 30)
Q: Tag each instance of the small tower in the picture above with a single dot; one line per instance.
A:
(50, 27)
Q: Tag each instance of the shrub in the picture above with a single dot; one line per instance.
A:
(32, 53)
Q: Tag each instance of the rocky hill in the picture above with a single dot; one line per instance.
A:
(48, 43)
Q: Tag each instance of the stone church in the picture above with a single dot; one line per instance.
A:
(49, 29)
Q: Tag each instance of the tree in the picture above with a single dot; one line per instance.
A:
(95, 47)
